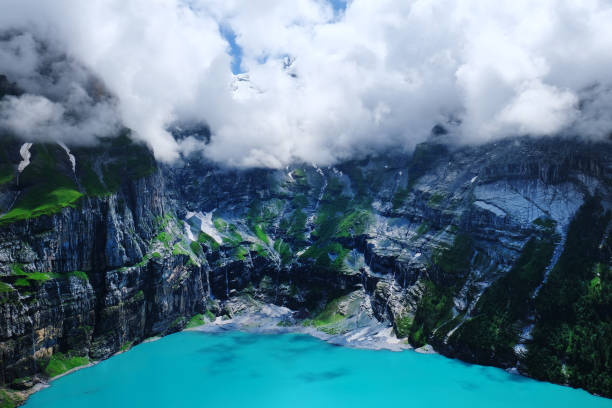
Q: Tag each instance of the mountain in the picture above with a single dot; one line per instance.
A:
(497, 254)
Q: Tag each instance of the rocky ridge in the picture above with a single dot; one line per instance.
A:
(461, 248)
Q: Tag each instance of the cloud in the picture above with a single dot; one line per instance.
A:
(318, 83)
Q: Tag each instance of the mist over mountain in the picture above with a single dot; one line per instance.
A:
(278, 82)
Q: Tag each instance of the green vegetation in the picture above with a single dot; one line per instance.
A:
(126, 346)
(329, 315)
(90, 181)
(571, 338)
(546, 223)
(296, 227)
(80, 275)
(7, 173)
(22, 283)
(435, 199)
(197, 320)
(232, 237)
(220, 224)
(41, 201)
(261, 234)
(503, 308)
(196, 248)
(453, 263)
(156, 255)
(433, 309)
(9, 399)
(240, 253)
(209, 241)
(139, 296)
(261, 251)
(125, 160)
(46, 189)
(423, 228)
(60, 363)
(177, 249)
(164, 238)
(338, 218)
(284, 251)
(403, 326)
(354, 223)
(328, 255)
(451, 266)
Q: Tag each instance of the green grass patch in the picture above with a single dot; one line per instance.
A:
(80, 275)
(5, 288)
(329, 315)
(220, 224)
(196, 248)
(195, 321)
(240, 253)
(60, 363)
(39, 202)
(177, 249)
(261, 251)
(209, 241)
(22, 283)
(261, 234)
(46, 190)
(354, 223)
(164, 238)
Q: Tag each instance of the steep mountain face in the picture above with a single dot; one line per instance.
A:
(497, 254)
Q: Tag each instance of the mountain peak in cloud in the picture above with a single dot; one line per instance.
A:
(363, 76)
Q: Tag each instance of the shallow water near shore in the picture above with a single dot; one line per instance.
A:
(237, 369)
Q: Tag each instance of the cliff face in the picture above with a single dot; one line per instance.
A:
(462, 248)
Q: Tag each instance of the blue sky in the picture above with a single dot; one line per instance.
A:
(236, 51)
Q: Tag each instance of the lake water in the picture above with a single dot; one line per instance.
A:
(236, 369)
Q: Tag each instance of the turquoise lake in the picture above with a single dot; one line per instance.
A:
(236, 369)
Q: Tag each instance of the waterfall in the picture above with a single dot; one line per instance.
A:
(33, 341)
(390, 293)
(311, 218)
(59, 298)
(226, 283)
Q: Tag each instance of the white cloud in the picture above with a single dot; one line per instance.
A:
(323, 86)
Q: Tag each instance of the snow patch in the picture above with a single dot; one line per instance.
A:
(188, 232)
(24, 151)
(205, 224)
(491, 208)
(70, 156)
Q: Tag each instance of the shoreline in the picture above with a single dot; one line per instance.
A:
(270, 320)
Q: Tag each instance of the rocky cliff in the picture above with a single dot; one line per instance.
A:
(498, 254)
